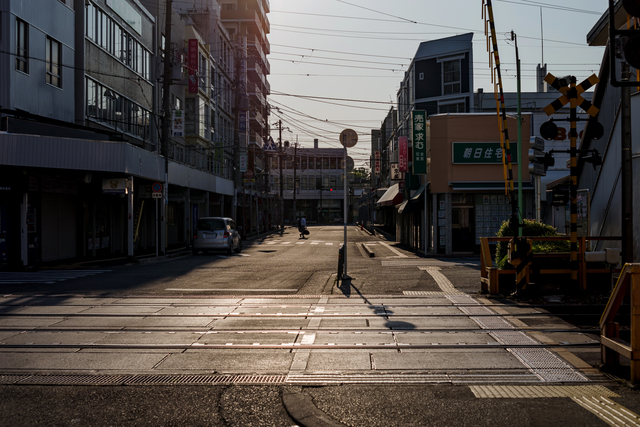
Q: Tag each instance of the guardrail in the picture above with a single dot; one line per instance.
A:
(490, 275)
(612, 346)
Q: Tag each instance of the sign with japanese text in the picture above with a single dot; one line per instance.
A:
(403, 154)
(395, 172)
(480, 153)
(243, 162)
(378, 163)
(419, 124)
(178, 123)
(193, 66)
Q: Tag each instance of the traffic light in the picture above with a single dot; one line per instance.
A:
(539, 160)
(625, 43)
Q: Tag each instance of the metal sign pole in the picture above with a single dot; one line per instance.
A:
(344, 275)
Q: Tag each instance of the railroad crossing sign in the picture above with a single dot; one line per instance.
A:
(562, 86)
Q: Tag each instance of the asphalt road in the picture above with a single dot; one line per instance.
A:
(271, 337)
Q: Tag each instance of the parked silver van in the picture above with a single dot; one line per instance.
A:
(216, 234)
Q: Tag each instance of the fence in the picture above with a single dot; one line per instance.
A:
(490, 275)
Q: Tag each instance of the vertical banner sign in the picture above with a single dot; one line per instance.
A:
(419, 121)
(193, 66)
(178, 123)
(243, 163)
(403, 154)
(377, 163)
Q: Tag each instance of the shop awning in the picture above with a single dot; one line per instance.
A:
(403, 206)
(391, 197)
(414, 203)
(418, 193)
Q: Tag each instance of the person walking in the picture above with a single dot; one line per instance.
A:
(302, 226)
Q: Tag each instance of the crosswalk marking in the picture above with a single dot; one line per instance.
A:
(328, 244)
(46, 276)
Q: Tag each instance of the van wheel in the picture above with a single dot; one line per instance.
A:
(230, 249)
(239, 248)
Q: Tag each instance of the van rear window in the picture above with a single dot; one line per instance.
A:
(211, 224)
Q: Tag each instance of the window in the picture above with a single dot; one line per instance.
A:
(421, 76)
(318, 182)
(53, 56)
(303, 183)
(455, 107)
(451, 77)
(318, 162)
(22, 46)
(325, 163)
(334, 163)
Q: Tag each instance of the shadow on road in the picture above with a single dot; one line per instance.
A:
(346, 285)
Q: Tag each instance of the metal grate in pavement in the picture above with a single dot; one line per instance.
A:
(160, 379)
(543, 363)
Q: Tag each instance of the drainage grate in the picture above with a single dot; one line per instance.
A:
(543, 363)
(141, 379)
(539, 391)
(259, 379)
(74, 380)
(418, 293)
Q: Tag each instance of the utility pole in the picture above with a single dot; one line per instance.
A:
(166, 118)
(281, 177)
(295, 168)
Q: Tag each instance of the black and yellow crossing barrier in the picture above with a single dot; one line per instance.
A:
(505, 144)
(571, 94)
(521, 257)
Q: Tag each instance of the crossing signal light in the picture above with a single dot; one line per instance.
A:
(549, 130)
(625, 43)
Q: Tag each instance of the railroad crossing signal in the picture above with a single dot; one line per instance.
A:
(562, 86)
(571, 95)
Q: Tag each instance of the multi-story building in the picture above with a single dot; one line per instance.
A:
(80, 143)
(312, 180)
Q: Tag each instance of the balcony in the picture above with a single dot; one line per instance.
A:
(253, 19)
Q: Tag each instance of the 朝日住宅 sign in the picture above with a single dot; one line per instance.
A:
(378, 163)
(419, 125)
(481, 153)
(403, 154)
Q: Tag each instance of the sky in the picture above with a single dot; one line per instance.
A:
(338, 64)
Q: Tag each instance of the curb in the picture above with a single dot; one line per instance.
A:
(301, 408)
(368, 251)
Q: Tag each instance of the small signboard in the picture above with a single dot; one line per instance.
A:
(481, 153)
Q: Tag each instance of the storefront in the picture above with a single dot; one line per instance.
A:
(468, 198)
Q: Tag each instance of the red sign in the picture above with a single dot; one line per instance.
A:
(193, 66)
(378, 163)
(403, 154)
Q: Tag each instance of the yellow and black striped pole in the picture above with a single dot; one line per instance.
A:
(571, 95)
(573, 183)
(505, 131)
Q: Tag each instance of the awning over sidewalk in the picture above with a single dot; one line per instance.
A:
(391, 197)
(414, 203)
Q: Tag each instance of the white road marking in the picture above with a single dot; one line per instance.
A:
(329, 244)
(401, 255)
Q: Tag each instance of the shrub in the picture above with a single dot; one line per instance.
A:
(531, 229)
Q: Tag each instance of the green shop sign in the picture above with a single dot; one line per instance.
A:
(477, 153)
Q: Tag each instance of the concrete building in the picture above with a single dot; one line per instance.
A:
(80, 141)
(603, 184)
(315, 185)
